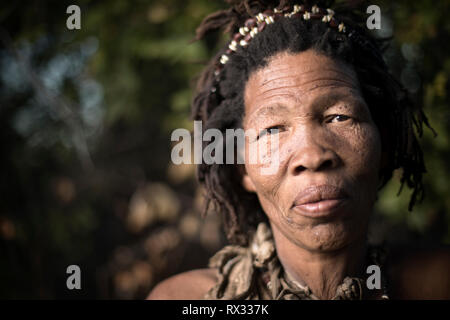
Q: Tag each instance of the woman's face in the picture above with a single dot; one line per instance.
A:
(328, 157)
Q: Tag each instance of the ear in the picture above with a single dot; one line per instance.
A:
(246, 181)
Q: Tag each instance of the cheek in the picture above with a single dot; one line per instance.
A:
(361, 153)
(265, 185)
(370, 146)
(360, 148)
(266, 179)
(266, 190)
(262, 163)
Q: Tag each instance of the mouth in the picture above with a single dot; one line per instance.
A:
(320, 201)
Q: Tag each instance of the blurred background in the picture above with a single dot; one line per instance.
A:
(85, 123)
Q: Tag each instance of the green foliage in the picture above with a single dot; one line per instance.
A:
(419, 31)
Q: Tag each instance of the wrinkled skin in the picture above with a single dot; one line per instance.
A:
(326, 137)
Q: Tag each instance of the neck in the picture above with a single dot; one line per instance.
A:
(321, 271)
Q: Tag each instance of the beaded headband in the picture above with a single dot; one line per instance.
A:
(255, 25)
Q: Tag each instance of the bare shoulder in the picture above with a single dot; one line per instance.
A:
(190, 285)
(420, 273)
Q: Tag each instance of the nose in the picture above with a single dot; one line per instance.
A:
(311, 154)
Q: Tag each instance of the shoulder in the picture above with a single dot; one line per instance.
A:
(190, 285)
(420, 273)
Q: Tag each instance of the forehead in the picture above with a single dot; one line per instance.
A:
(299, 76)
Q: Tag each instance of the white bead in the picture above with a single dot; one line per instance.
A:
(233, 45)
(223, 59)
(330, 12)
(315, 9)
(341, 27)
(326, 18)
(243, 43)
(253, 32)
(306, 15)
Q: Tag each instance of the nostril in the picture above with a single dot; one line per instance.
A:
(299, 169)
(326, 165)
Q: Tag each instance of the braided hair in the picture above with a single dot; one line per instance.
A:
(218, 101)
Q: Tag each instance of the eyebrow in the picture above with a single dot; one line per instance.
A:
(269, 110)
(330, 100)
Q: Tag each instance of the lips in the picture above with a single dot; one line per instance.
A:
(319, 201)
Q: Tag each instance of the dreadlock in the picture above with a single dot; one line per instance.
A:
(222, 106)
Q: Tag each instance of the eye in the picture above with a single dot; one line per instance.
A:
(337, 118)
(271, 130)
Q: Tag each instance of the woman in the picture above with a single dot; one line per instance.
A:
(315, 79)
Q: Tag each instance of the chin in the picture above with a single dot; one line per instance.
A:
(330, 236)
